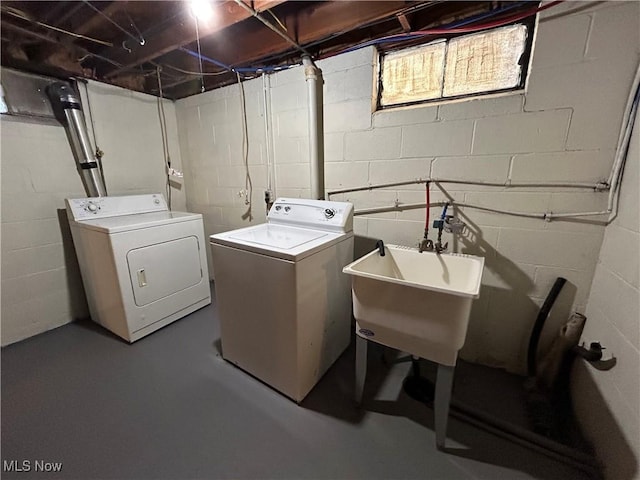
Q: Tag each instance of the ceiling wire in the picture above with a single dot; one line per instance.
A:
(202, 89)
(139, 40)
(14, 12)
(189, 72)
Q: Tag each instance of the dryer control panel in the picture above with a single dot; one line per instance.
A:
(317, 214)
(80, 209)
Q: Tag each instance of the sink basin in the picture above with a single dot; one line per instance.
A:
(415, 302)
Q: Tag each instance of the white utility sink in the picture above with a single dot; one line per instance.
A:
(416, 302)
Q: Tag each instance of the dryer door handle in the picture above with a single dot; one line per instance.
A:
(142, 278)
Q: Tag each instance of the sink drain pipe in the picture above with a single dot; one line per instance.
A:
(316, 127)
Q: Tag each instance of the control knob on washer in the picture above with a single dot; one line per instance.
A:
(329, 213)
(91, 207)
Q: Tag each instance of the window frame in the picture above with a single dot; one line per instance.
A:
(525, 63)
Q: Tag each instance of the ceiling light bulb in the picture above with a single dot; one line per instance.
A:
(201, 9)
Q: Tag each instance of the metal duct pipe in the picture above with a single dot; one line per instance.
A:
(66, 105)
(316, 128)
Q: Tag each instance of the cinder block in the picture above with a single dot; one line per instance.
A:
(501, 273)
(379, 143)
(627, 380)
(597, 111)
(354, 83)
(35, 206)
(418, 197)
(291, 150)
(288, 97)
(346, 174)
(522, 133)
(476, 240)
(620, 253)
(371, 199)
(346, 61)
(21, 289)
(292, 123)
(625, 312)
(578, 201)
(435, 139)
(614, 29)
(493, 168)
(556, 249)
(347, 116)
(481, 107)
(507, 340)
(293, 192)
(288, 76)
(629, 192)
(360, 226)
(15, 178)
(561, 40)
(578, 280)
(395, 232)
(17, 235)
(292, 175)
(27, 261)
(237, 217)
(218, 196)
(396, 117)
(534, 203)
(398, 170)
(556, 167)
(334, 147)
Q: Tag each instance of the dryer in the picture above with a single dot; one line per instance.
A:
(283, 302)
(142, 265)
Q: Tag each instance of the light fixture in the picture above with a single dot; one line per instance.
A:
(201, 9)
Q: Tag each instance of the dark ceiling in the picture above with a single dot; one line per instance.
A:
(131, 43)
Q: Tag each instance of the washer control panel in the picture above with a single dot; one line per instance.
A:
(319, 214)
(101, 207)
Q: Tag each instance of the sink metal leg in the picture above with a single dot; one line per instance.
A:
(444, 383)
(361, 367)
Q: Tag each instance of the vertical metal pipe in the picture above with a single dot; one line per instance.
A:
(316, 134)
(66, 105)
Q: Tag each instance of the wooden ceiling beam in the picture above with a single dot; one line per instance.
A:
(241, 46)
(183, 33)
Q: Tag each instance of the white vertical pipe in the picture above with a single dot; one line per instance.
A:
(316, 134)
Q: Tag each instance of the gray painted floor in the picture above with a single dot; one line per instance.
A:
(168, 406)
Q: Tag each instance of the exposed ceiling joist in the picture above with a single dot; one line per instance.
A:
(183, 33)
(73, 36)
(309, 26)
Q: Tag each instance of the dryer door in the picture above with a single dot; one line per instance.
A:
(159, 270)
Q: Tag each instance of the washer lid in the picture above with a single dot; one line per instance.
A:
(125, 223)
(285, 242)
(277, 236)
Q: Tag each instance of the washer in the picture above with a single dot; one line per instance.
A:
(284, 303)
(142, 265)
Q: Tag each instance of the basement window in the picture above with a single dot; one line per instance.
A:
(464, 66)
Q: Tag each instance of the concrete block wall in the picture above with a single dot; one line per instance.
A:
(563, 129)
(614, 320)
(41, 285)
